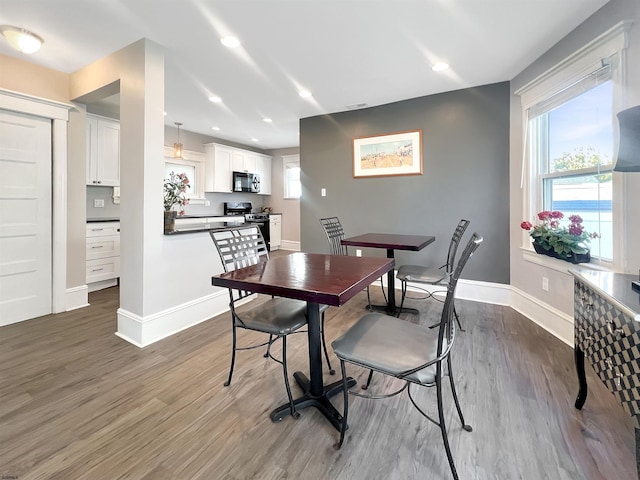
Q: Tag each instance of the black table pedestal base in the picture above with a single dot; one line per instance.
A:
(321, 402)
(394, 311)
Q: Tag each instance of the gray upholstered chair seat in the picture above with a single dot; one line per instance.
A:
(421, 274)
(391, 346)
(276, 316)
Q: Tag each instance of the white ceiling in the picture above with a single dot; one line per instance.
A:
(346, 52)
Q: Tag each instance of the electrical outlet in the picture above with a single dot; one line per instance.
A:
(207, 203)
(358, 252)
(545, 284)
(98, 202)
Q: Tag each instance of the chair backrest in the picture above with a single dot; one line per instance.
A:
(446, 334)
(334, 231)
(453, 245)
(240, 247)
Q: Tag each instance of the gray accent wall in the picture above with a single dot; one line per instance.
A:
(465, 150)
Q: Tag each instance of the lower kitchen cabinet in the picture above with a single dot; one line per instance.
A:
(275, 230)
(102, 255)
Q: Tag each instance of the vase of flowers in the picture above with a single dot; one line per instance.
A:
(175, 188)
(566, 242)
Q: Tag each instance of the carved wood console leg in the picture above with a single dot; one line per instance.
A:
(582, 380)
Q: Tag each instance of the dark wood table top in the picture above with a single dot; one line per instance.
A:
(312, 277)
(390, 241)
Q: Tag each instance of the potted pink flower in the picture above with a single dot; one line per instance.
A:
(175, 188)
(553, 238)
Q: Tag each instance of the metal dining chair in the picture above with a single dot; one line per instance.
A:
(278, 317)
(335, 233)
(407, 351)
(436, 276)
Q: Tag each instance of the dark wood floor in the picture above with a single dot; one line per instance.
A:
(77, 402)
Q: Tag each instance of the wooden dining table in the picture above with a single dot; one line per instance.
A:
(317, 279)
(391, 242)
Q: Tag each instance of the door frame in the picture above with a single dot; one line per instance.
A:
(58, 113)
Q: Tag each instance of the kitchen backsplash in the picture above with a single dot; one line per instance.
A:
(216, 200)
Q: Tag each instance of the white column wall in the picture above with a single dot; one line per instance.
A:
(165, 280)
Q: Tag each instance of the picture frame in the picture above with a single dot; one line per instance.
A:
(387, 155)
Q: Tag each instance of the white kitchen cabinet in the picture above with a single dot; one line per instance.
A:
(218, 168)
(221, 161)
(103, 151)
(244, 161)
(275, 231)
(102, 254)
(263, 168)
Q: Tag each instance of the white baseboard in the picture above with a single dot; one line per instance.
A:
(145, 331)
(483, 292)
(102, 284)
(290, 245)
(554, 321)
(76, 297)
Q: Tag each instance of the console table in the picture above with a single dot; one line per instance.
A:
(607, 332)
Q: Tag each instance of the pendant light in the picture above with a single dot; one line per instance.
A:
(177, 147)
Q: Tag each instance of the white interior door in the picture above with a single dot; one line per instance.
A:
(25, 217)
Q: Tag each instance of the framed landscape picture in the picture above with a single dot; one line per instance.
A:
(390, 154)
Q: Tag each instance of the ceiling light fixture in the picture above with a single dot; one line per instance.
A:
(254, 140)
(230, 41)
(215, 128)
(439, 66)
(304, 93)
(268, 120)
(215, 99)
(177, 147)
(22, 40)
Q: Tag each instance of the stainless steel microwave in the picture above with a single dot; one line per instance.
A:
(246, 182)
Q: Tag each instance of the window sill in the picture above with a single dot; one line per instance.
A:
(529, 255)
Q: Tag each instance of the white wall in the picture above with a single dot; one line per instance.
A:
(526, 277)
(165, 282)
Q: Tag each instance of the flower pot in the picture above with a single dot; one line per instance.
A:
(170, 221)
(573, 257)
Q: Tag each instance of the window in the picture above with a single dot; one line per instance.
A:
(572, 145)
(192, 165)
(570, 134)
(291, 172)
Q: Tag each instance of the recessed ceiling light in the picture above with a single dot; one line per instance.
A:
(215, 128)
(355, 106)
(165, 114)
(230, 41)
(268, 120)
(254, 139)
(304, 93)
(439, 66)
(22, 40)
(215, 99)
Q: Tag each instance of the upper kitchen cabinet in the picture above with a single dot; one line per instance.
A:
(222, 161)
(218, 168)
(263, 168)
(244, 161)
(103, 151)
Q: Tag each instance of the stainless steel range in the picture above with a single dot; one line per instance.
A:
(260, 220)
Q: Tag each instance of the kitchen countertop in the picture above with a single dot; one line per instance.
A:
(106, 219)
(195, 227)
